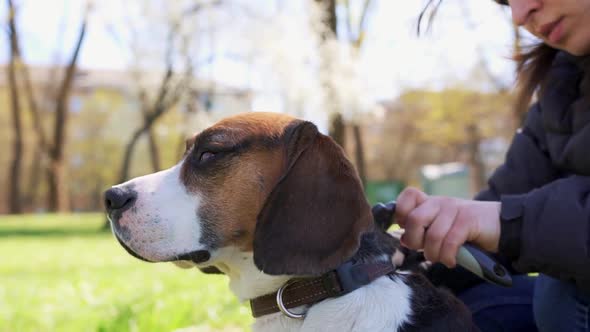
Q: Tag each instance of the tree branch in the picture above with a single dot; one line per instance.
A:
(64, 92)
(200, 6)
(349, 20)
(26, 76)
(497, 82)
(360, 38)
(17, 151)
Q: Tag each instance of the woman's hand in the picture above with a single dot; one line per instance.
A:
(440, 225)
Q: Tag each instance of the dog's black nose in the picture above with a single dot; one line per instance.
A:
(119, 199)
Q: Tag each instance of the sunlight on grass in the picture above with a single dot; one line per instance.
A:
(60, 273)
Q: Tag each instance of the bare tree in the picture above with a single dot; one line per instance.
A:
(58, 189)
(41, 146)
(354, 39)
(502, 87)
(359, 152)
(171, 88)
(401, 156)
(477, 172)
(476, 165)
(55, 150)
(328, 32)
(17, 153)
(168, 95)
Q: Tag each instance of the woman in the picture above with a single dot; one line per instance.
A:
(536, 212)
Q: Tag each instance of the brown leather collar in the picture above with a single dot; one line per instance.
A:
(308, 291)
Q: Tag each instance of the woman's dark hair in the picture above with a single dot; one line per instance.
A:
(532, 62)
(532, 65)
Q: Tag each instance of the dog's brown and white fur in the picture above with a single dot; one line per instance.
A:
(264, 197)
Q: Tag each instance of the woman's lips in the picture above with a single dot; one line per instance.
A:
(553, 31)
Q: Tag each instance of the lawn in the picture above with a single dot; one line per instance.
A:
(60, 273)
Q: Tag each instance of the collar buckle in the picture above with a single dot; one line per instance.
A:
(282, 306)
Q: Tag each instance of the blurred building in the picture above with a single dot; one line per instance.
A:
(205, 95)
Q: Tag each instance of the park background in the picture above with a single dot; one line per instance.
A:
(94, 93)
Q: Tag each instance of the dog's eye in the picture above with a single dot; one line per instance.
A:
(206, 156)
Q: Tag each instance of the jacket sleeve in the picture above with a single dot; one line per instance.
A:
(545, 217)
(548, 230)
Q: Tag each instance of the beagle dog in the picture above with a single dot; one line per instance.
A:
(270, 202)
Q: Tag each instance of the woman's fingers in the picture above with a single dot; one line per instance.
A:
(441, 225)
(407, 201)
(438, 230)
(455, 238)
(417, 223)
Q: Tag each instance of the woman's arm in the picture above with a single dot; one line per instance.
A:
(545, 222)
(548, 229)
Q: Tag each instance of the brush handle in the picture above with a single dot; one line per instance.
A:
(469, 256)
(483, 265)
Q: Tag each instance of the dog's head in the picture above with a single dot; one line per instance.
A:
(261, 182)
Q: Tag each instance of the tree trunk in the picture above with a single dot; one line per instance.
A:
(14, 193)
(180, 146)
(96, 204)
(129, 148)
(330, 21)
(477, 172)
(154, 151)
(58, 194)
(167, 96)
(35, 176)
(36, 170)
(58, 191)
(338, 129)
(17, 151)
(41, 150)
(359, 153)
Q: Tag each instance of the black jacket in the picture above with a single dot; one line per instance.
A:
(544, 184)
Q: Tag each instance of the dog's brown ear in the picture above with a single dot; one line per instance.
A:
(313, 219)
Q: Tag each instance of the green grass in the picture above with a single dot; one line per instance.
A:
(60, 273)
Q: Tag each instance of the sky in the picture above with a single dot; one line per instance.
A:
(393, 58)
